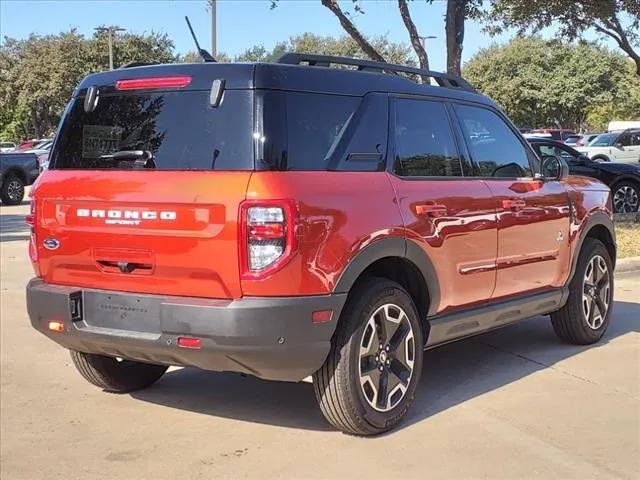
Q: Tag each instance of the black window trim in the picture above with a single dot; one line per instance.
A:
(531, 155)
(391, 142)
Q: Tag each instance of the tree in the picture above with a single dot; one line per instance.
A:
(39, 74)
(457, 12)
(616, 19)
(529, 78)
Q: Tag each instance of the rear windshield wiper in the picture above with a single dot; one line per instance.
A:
(141, 158)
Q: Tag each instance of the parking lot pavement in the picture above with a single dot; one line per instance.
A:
(514, 403)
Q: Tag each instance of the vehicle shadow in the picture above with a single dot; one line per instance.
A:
(13, 228)
(453, 374)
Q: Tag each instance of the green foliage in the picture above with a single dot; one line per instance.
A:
(38, 75)
(542, 83)
(326, 45)
(616, 19)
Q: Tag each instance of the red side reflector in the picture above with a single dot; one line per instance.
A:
(189, 342)
(153, 82)
(321, 316)
(56, 326)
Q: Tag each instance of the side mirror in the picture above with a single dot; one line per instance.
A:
(581, 160)
(619, 145)
(553, 168)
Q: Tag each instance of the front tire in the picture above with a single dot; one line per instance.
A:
(587, 313)
(369, 378)
(12, 190)
(116, 376)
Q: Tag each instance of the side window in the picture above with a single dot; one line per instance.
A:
(425, 146)
(624, 140)
(557, 151)
(494, 147)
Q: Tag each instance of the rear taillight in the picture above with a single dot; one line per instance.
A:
(268, 237)
(30, 220)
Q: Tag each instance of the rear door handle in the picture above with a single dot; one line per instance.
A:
(513, 204)
(431, 210)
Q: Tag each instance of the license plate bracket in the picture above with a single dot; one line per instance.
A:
(122, 312)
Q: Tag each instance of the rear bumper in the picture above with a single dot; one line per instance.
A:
(271, 338)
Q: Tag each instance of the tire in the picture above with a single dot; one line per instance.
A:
(348, 397)
(12, 190)
(116, 376)
(577, 322)
(626, 197)
(601, 158)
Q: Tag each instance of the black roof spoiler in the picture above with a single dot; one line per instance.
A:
(442, 79)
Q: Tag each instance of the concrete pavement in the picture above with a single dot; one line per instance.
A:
(514, 403)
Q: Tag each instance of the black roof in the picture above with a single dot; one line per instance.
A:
(368, 77)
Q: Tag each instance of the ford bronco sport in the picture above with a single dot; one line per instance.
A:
(291, 219)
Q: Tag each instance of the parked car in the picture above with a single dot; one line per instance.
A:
(560, 134)
(6, 147)
(621, 146)
(16, 171)
(580, 140)
(288, 220)
(29, 144)
(622, 178)
(42, 152)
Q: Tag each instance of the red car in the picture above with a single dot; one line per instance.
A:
(290, 220)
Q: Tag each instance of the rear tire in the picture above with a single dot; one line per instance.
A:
(363, 389)
(117, 376)
(626, 197)
(582, 320)
(12, 190)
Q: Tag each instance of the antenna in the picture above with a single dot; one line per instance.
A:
(204, 55)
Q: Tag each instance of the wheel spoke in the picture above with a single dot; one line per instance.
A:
(382, 390)
(399, 335)
(400, 371)
(367, 364)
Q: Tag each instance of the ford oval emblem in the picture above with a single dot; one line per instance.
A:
(51, 243)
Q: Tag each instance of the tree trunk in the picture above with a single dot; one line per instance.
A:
(353, 31)
(454, 29)
(413, 36)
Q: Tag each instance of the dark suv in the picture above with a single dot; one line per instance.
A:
(292, 220)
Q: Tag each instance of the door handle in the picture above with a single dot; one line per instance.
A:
(431, 210)
(513, 204)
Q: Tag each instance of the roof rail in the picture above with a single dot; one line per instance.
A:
(442, 79)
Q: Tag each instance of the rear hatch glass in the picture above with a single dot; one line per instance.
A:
(181, 130)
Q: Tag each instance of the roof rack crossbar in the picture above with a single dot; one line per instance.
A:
(442, 79)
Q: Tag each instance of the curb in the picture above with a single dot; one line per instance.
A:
(630, 264)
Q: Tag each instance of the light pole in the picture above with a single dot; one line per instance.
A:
(110, 34)
(212, 4)
(423, 40)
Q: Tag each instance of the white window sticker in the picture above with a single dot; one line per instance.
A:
(98, 140)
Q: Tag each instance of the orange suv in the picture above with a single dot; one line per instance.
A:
(290, 220)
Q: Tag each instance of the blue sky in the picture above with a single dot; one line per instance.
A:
(241, 23)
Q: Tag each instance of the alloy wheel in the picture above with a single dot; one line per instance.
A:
(625, 200)
(596, 292)
(387, 354)
(15, 190)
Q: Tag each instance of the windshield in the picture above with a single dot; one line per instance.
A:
(180, 130)
(604, 140)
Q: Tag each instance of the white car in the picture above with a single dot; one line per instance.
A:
(621, 147)
(6, 147)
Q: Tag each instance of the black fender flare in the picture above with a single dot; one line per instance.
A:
(392, 247)
(593, 220)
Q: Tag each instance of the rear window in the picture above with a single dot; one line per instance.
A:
(180, 129)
